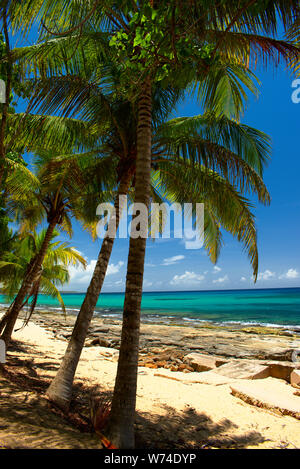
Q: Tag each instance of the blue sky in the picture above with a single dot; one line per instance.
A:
(169, 266)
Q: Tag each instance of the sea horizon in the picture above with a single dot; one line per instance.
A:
(271, 307)
(181, 291)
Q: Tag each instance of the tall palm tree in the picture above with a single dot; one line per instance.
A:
(157, 40)
(215, 28)
(54, 270)
(82, 96)
(238, 151)
(77, 95)
(119, 143)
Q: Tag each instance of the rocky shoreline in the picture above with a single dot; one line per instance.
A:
(249, 377)
(174, 346)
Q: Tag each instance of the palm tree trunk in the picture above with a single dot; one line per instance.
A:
(7, 313)
(27, 284)
(4, 319)
(5, 108)
(60, 390)
(120, 429)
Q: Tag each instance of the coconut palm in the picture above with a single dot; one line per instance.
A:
(78, 95)
(54, 270)
(61, 185)
(75, 95)
(213, 28)
(167, 41)
(192, 145)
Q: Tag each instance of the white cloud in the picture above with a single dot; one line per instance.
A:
(216, 269)
(266, 275)
(114, 268)
(221, 279)
(120, 282)
(188, 278)
(172, 260)
(80, 276)
(290, 274)
(243, 279)
(146, 283)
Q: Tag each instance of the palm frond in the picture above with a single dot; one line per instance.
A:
(227, 207)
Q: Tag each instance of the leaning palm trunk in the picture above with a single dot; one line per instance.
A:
(27, 285)
(120, 429)
(60, 390)
(6, 315)
(4, 319)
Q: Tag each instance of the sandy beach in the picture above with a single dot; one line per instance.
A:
(175, 409)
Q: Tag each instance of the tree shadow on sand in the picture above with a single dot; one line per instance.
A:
(28, 420)
(190, 429)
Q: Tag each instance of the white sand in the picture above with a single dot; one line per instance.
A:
(207, 410)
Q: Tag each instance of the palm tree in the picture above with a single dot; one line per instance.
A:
(61, 185)
(81, 96)
(54, 269)
(118, 143)
(219, 140)
(215, 29)
(78, 95)
(157, 41)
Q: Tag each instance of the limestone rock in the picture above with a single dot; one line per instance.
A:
(151, 365)
(295, 378)
(102, 330)
(109, 352)
(100, 341)
(185, 368)
(270, 394)
(205, 377)
(201, 362)
(210, 377)
(280, 369)
(241, 369)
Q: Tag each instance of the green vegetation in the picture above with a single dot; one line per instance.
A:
(53, 273)
(101, 81)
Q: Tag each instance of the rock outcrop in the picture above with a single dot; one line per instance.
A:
(270, 393)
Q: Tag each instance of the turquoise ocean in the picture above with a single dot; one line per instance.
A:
(272, 307)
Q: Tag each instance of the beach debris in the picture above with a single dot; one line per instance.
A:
(270, 393)
(241, 369)
(100, 330)
(100, 407)
(109, 352)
